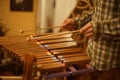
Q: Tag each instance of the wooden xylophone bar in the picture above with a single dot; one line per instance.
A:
(67, 52)
(54, 55)
(21, 48)
(61, 47)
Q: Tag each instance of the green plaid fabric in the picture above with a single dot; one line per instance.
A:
(104, 49)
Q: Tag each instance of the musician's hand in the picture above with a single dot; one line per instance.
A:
(87, 30)
(68, 24)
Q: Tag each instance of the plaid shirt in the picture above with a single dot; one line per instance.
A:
(104, 49)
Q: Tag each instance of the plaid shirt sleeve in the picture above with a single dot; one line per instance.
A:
(83, 19)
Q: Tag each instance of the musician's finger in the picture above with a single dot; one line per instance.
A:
(90, 30)
(85, 28)
(89, 35)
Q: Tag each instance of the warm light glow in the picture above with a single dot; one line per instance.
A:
(38, 43)
(48, 53)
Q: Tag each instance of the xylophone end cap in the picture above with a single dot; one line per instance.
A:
(9, 59)
(40, 65)
(31, 36)
(21, 31)
(28, 39)
(3, 61)
(38, 73)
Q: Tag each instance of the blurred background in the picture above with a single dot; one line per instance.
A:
(15, 15)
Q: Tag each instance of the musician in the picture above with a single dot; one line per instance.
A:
(103, 32)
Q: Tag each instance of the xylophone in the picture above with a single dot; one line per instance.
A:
(57, 56)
